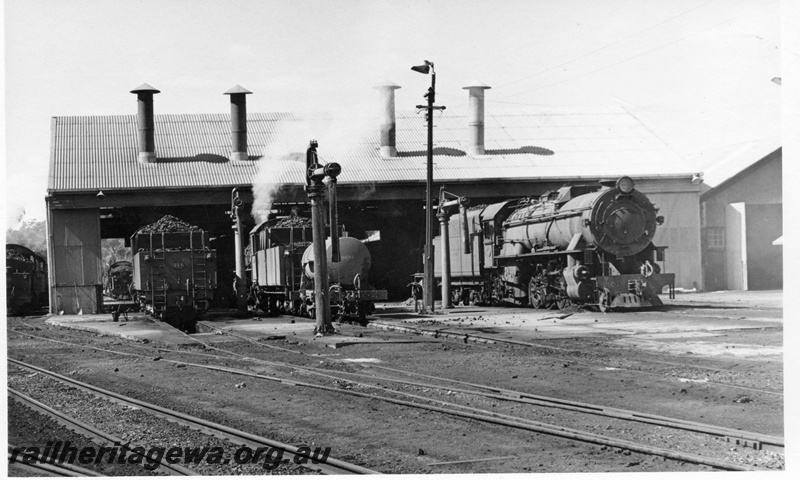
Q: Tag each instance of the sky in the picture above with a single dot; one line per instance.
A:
(697, 73)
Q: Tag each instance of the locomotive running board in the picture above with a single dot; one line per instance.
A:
(540, 254)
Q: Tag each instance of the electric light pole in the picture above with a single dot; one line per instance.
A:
(429, 288)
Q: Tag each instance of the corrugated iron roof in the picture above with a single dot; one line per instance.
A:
(729, 162)
(100, 152)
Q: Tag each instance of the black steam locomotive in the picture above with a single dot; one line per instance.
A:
(118, 280)
(588, 245)
(26, 280)
(280, 260)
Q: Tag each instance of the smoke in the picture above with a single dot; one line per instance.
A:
(341, 136)
(278, 167)
(29, 233)
(14, 216)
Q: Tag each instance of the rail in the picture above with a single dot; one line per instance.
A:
(330, 466)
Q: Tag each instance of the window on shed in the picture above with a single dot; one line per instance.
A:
(715, 238)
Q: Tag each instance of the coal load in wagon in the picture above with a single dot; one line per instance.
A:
(169, 224)
(18, 256)
(293, 221)
(170, 233)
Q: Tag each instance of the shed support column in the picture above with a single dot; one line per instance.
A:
(444, 220)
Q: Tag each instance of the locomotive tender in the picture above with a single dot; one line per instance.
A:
(26, 280)
(280, 258)
(577, 245)
(174, 272)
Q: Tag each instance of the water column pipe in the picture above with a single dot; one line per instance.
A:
(445, 207)
(316, 190)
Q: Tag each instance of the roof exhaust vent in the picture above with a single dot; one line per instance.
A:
(238, 123)
(146, 124)
(388, 121)
(476, 94)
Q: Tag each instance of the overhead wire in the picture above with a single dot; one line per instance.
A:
(619, 62)
(606, 46)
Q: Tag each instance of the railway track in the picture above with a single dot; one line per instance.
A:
(729, 435)
(98, 436)
(489, 339)
(330, 466)
(40, 468)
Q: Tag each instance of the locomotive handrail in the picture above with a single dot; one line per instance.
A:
(546, 218)
(538, 254)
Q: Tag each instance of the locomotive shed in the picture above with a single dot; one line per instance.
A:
(110, 175)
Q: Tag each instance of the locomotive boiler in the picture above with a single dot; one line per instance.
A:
(281, 264)
(580, 244)
(174, 272)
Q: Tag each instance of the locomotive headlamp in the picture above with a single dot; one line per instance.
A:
(625, 184)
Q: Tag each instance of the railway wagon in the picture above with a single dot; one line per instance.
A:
(280, 261)
(26, 280)
(586, 244)
(174, 272)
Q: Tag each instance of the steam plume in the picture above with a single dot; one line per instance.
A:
(340, 136)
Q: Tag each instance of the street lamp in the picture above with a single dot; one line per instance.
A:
(428, 291)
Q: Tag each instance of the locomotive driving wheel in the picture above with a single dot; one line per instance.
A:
(604, 301)
(549, 299)
(535, 295)
(563, 301)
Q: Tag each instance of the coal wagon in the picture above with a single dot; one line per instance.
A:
(174, 272)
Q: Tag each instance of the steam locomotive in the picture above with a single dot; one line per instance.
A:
(174, 272)
(118, 280)
(26, 280)
(589, 244)
(280, 259)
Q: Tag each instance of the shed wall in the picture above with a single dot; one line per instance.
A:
(681, 234)
(75, 261)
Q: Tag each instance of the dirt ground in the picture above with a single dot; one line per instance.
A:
(715, 358)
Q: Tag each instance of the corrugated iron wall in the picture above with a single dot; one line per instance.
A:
(75, 261)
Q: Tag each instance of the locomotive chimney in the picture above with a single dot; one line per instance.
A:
(146, 139)
(476, 93)
(238, 123)
(388, 122)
